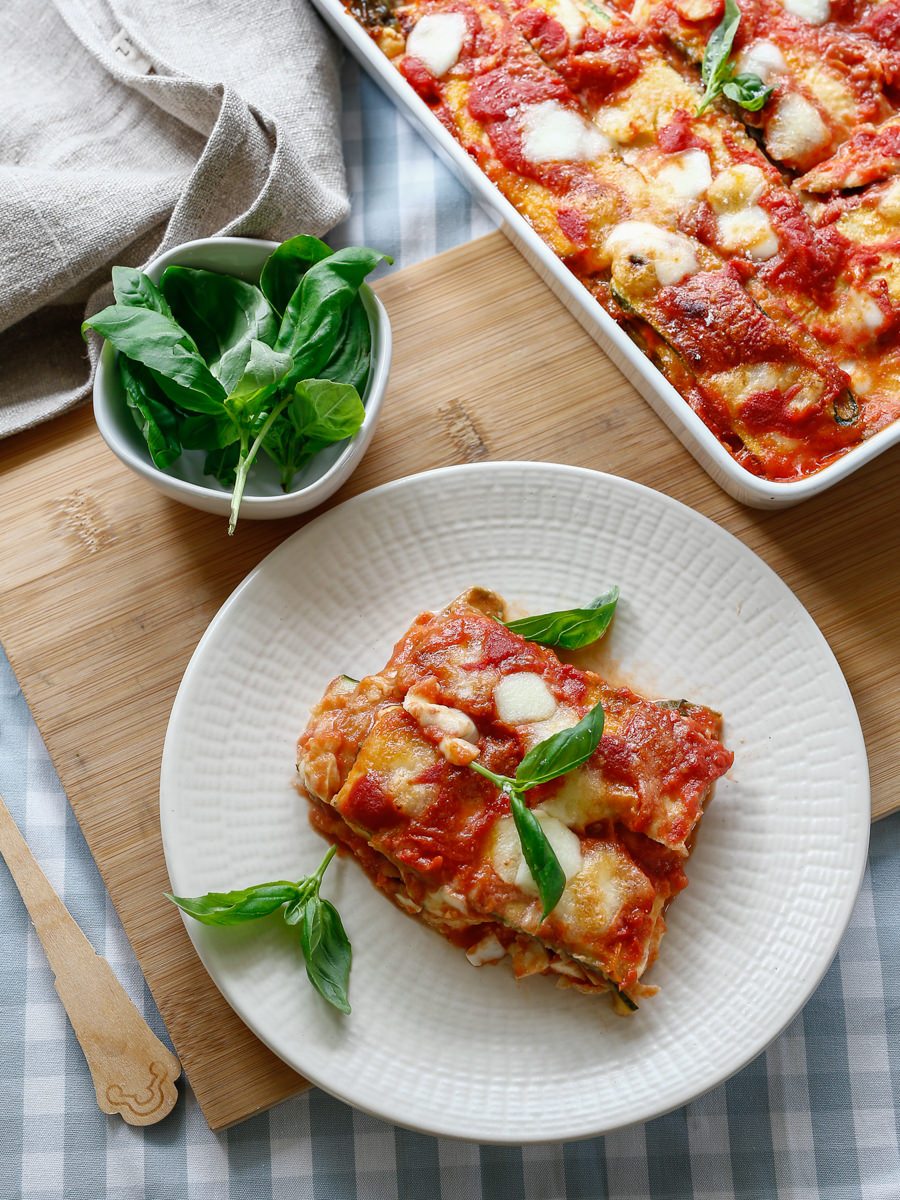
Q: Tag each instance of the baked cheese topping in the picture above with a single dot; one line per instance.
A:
(671, 254)
(437, 41)
(522, 698)
(795, 130)
(552, 133)
(815, 12)
(687, 173)
(762, 58)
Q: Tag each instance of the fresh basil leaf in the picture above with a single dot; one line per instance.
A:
(286, 266)
(562, 752)
(747, 90)
(570, 628)
(715, 70)
(234, 908)
(326, 949)
(153, 415)
(325, 411)
(353, 353)
(265, 369)
(223, 314)
(222, 464)
(315, 312)
(202, 431)
(319, 413)
(718, 48)
(540, 856)
(152, 338)
(133, 287)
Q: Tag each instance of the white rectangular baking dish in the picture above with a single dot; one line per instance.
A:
(636, 367)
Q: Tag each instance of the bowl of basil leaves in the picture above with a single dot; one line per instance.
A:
(242, 376)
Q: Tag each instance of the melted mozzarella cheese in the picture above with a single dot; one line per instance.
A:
(743, 225)
(671, 254)
(579, 800)
(569, 16)
(509, 862)
(566, 846)
(523, 698)
(748, 231)
(736, 187)
(762, 58)
(442, 899)
(815, 12)
(600, 890)
(687, 173)
(552, 133)
(795, 130)
(488, 950)
(437, 41)
(860, 314)
(450, 721)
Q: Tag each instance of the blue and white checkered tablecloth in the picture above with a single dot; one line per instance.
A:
(813, 1118)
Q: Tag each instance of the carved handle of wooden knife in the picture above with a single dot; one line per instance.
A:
(134, 1073)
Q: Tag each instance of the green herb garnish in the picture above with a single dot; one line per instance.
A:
(210, 362)
(555, 756)
(325, 945)
(570, 628)
(718, 74)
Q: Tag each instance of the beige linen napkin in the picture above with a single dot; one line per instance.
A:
(130, 126)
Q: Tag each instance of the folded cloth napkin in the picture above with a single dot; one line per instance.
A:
(130, 126)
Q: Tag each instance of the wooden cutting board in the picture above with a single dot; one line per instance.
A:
(107, 586)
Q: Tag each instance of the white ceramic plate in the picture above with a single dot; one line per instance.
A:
(432, 1043)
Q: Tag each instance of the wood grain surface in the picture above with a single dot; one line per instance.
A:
(107, 586)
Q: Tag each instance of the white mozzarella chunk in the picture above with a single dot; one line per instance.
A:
(815, 12)
(748, 231)
(580, 799)
(795, 130)
(566, 846)
(671, 254)
(569, 16)
(601, 884)
(509, 862)
(743, 225)
(762, 58)
(860, 376)
(506, 849)
(522, 698)
(553, 133)
(686, 173)
(437, 41)
(488, 950)
(736, 187)
(860, 314)
(443, 898)
(450, 721)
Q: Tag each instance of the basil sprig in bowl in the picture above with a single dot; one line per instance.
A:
(312, 468)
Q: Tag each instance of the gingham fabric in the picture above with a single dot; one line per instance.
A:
(813, 1118)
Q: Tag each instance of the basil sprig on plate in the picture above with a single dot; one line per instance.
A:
(555, 756)
(210, 362)
(569, 628)
(325, 945)
(718, 74)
